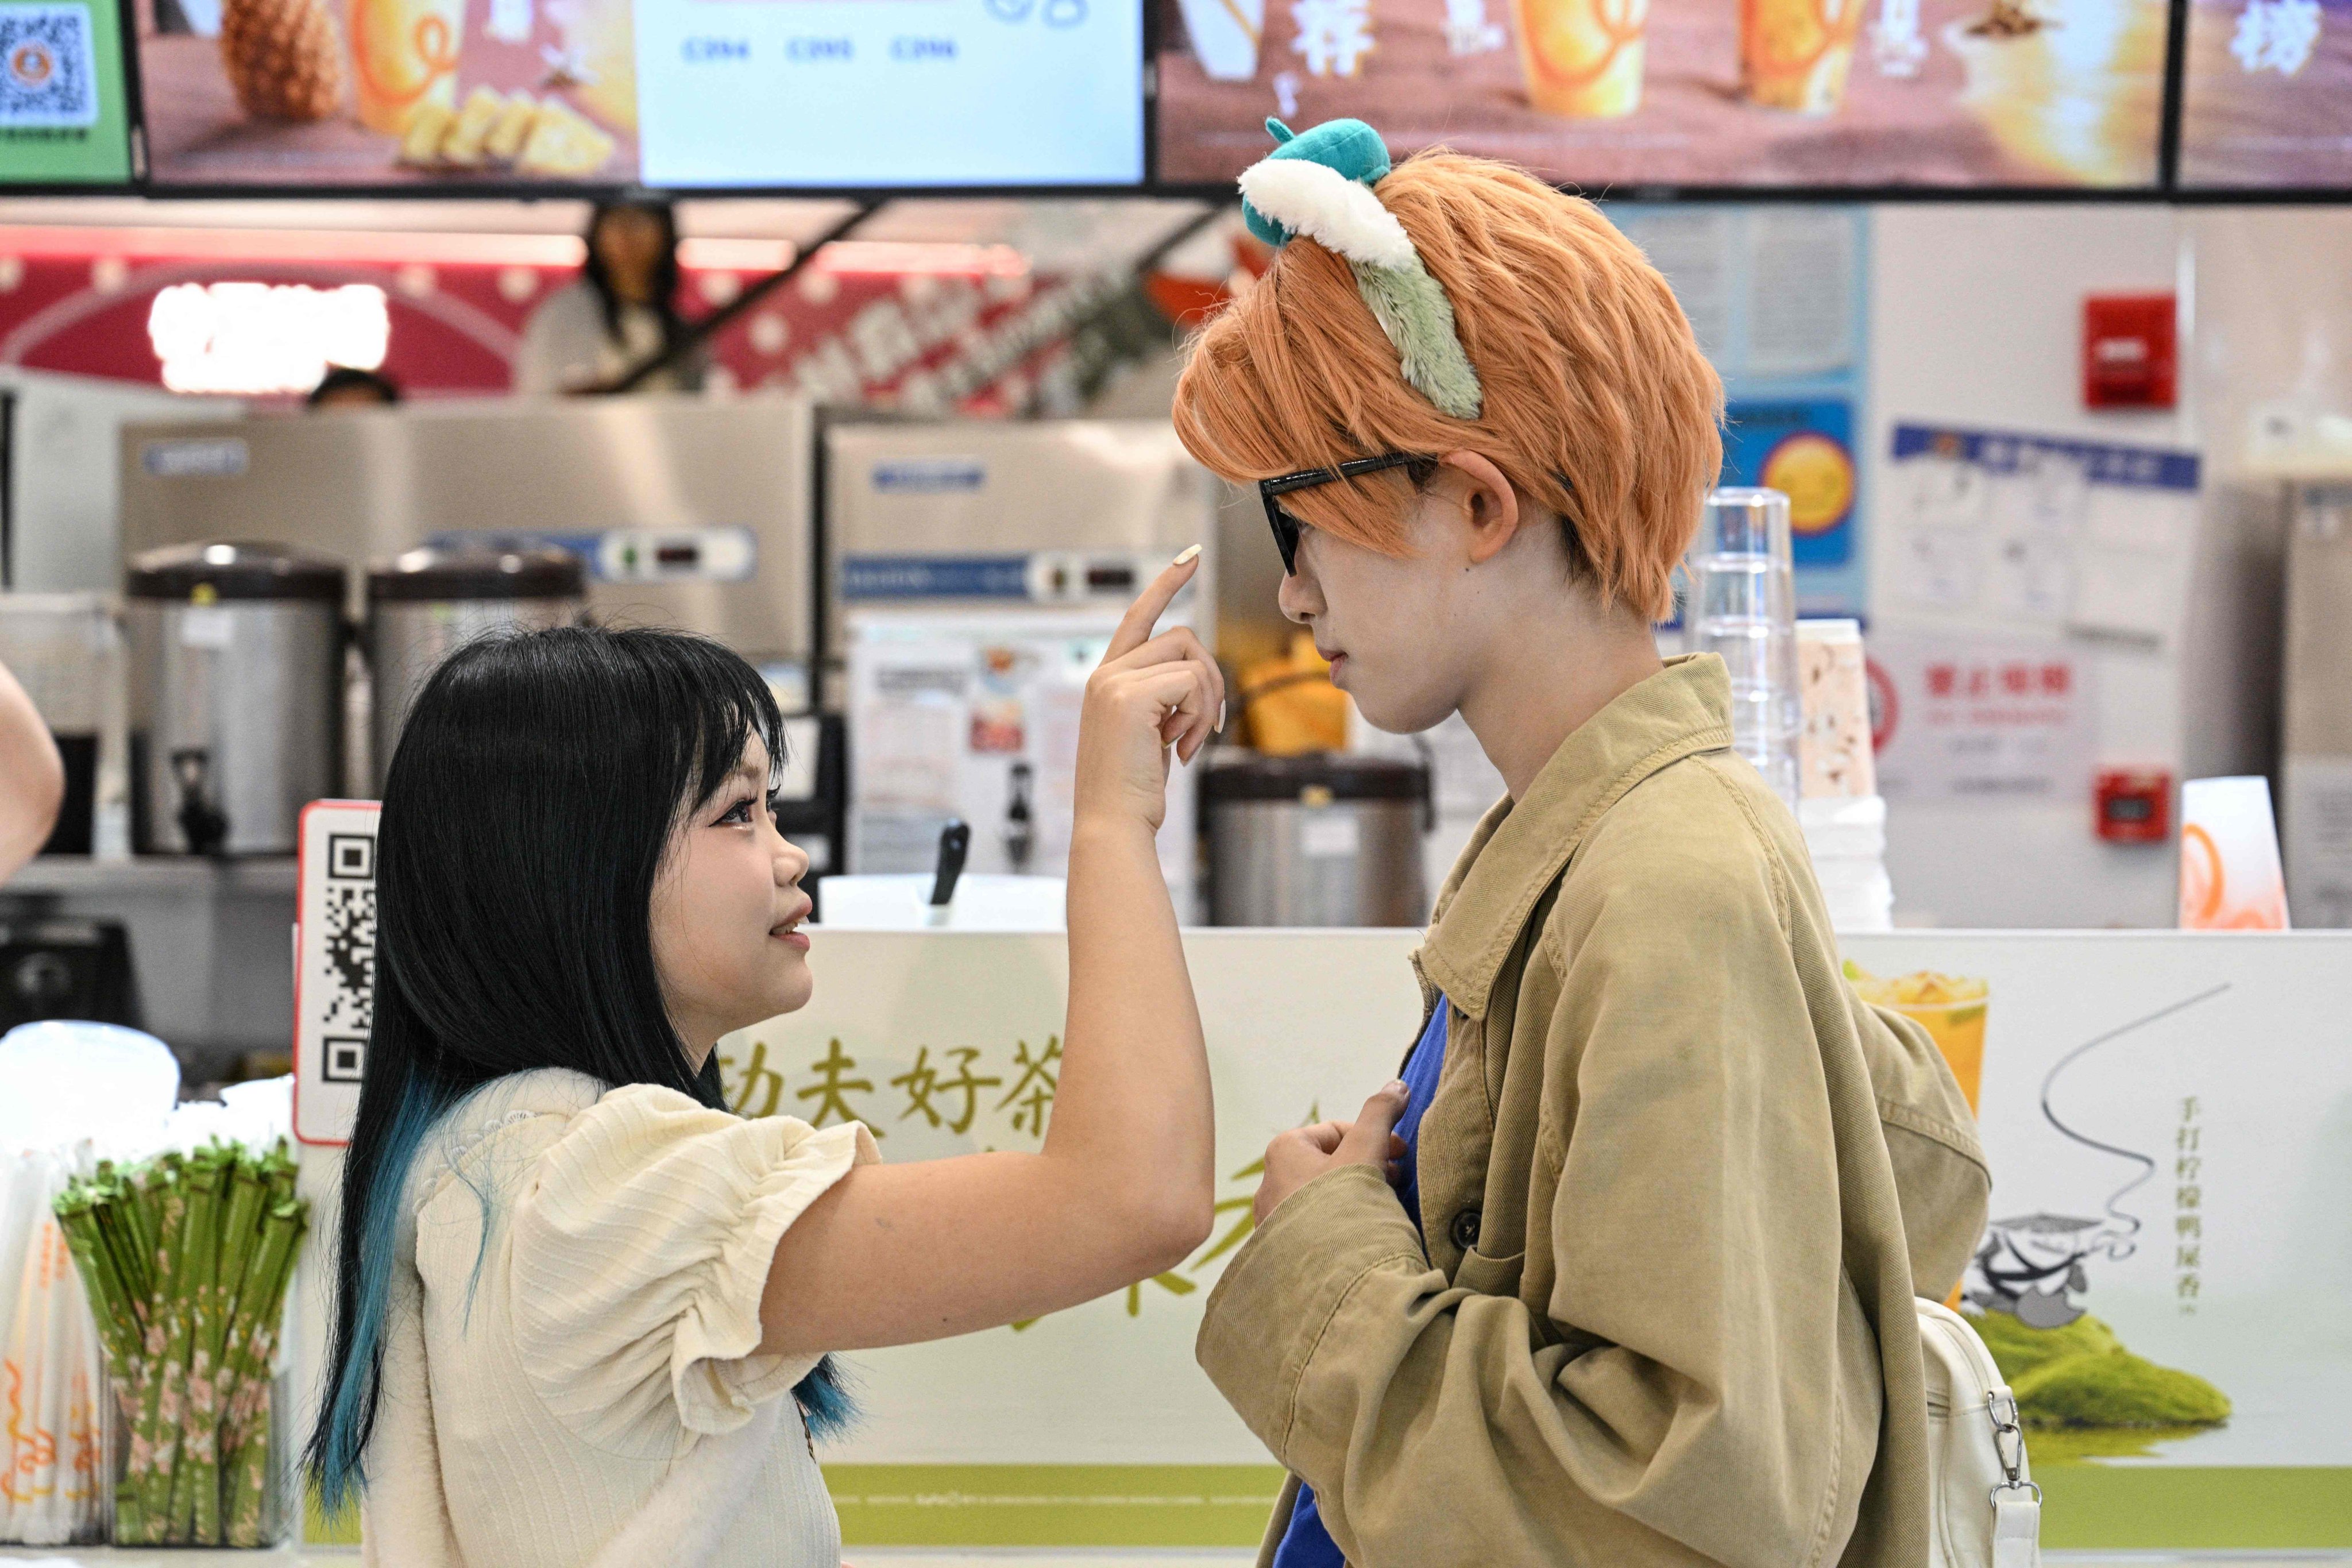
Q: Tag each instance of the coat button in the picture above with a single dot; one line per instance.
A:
(1464, 1229)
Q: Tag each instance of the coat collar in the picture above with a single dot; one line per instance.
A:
(1519, 849)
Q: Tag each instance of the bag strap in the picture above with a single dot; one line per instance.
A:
(2016, 1502)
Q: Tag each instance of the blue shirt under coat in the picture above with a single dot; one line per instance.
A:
(1305, 1544)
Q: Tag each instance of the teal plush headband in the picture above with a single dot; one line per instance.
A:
(1320, 184)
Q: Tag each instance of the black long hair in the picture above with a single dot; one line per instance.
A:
(663, 302)
(525, 812)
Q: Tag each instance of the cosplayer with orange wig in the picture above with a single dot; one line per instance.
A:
(1622, 1269)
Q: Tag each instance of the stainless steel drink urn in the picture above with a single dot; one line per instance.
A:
(237, 667)
(1321, 840)
(427, 602)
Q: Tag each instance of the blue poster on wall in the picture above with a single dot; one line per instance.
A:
(1779, 300)
(1804, 448)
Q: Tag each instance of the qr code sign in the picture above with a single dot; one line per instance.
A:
(334, 985)
(45, 79)
(350, 1001)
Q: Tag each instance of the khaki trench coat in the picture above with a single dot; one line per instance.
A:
(1679, 1186)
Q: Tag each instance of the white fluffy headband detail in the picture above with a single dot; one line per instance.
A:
(1337, 213)
(1293, 193)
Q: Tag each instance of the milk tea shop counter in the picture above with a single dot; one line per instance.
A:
(2048, 662)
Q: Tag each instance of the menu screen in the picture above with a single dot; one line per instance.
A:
(63, 115)
(1618, 93)
(2266, 95)
(671, 93)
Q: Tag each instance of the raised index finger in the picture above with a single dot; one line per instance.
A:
(1135, 626)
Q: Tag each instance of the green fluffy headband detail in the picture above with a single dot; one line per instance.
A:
(1321, 184)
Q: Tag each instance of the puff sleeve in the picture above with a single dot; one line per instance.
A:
(640, 1248)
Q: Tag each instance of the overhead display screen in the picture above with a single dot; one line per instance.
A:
(1624, 94)
(2266, 95)
(670, 93)
(64, 115)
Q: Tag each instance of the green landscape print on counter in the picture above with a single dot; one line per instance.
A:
(2082, 1395)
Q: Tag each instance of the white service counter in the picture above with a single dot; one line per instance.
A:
(2181, 1101)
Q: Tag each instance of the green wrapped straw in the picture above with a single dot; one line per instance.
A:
(187, 1261)
(261, 1307)
(113, 1302)
(191, 1299)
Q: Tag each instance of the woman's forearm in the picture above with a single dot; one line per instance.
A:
(32, 778)
(1133, 1108)
(1123, 1188)
(1124, 1185)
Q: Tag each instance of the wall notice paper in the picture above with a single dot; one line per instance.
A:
(334, 965)
(976, 715)
(1981, 718)
(2168, 1116)
(2041, 530)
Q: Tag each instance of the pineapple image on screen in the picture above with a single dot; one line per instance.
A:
(464, 145)
(564, 144)
(283, 58)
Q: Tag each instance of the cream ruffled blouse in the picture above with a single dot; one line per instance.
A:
(581, 1390)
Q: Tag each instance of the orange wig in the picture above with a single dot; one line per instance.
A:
(1597, 405)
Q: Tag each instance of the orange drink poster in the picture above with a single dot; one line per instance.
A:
(1718, 93)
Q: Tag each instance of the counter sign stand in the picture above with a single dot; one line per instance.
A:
(334, 966)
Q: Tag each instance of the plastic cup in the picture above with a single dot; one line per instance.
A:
(1742, 607)
(1582, 58)
(1951, 1008)
(405, 54)
(1796, 54)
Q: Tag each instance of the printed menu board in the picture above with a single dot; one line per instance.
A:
(1725, 93)
(683, 93)
(64, 118)
(2265, 94)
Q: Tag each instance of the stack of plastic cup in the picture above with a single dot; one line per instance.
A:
(1743, 606)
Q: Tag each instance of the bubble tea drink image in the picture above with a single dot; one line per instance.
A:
(1951, 1008)
(404, 55)
(1582, 58)
(1796, 54)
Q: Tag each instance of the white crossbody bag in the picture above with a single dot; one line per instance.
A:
(1985, 1510)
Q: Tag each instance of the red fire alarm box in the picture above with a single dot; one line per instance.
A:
(2135, 805)
(2128, 350)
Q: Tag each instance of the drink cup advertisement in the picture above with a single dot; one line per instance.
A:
(671, 93)
(1811, 93)
(388, 92)
(2167, 1120)
(2264, 94)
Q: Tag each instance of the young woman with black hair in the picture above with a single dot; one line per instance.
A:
(573, 1291)
(622, 311)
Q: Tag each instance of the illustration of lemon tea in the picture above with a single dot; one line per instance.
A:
(1582, 58)
(405, 54)
(1797, 54)
(1951, 1008)
(2074, 90)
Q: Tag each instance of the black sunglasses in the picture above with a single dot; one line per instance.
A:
(1286, 527)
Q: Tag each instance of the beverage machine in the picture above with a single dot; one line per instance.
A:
(681, 512)
(975, 571)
